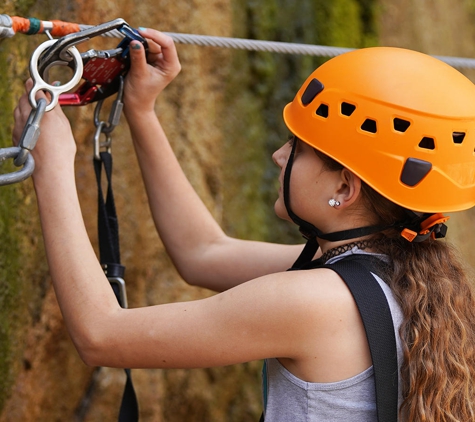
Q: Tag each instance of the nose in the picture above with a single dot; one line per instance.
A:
(281, 156)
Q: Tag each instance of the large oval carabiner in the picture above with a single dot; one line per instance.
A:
(16, 176)
(39, 84)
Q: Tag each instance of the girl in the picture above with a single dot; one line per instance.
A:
(383, 142)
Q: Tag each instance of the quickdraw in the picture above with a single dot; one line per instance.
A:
(102, 71)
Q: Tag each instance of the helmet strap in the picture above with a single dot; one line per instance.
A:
(416, 228)
(308, 230)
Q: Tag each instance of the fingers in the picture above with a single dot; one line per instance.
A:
(28, 85)
(137, 58)
(163, 47)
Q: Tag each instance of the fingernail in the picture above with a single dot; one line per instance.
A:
(136, 46)
(141, 28)
(56, 83)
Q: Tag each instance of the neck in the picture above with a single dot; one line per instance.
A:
(332, 249)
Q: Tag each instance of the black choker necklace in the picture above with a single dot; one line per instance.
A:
(361, 244)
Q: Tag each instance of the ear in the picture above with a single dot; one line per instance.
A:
(349, 188)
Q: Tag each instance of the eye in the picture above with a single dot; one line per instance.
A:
(291, 140)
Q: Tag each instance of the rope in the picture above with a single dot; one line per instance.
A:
(9, 26)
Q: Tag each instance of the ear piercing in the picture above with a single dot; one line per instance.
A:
(333, 203)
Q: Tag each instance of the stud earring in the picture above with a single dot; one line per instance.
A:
(333, 203)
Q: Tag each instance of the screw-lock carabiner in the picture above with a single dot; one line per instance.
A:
(31, 132)
(115, 113)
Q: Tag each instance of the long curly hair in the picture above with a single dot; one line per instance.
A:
(438, 330)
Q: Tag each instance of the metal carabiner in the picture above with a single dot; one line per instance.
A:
(31, 132)
(41, 84)
(103, 70)
(115, 113)
(60, 51)
(16, 176)
(97, 141)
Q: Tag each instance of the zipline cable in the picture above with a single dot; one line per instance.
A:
(10, 25)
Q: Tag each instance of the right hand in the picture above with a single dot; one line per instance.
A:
(148, 76)
(56, 147)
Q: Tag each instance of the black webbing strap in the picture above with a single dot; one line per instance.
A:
(376, 315)
(373, 306)
(108, 230)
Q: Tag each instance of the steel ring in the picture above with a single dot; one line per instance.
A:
(16, 176)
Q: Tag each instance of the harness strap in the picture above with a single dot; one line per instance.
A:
(376, 315)
(108, 231)
(355, 270)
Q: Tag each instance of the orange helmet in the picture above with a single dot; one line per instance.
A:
(404, 122)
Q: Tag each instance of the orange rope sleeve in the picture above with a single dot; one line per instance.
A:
(61, 28)
(57, 28)
(21, 25)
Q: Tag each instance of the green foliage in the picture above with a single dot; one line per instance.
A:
(259, 89)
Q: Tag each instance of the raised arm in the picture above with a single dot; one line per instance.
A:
(279, 315)
(173, 335)
(200, 250)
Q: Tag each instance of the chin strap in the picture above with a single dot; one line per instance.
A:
(308, 230)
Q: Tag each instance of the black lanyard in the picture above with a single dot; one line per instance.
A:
(108, 231)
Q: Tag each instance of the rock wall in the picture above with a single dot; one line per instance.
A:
(223, 117)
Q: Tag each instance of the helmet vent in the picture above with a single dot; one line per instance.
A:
(369, 125)
(427, 143)
(322, 110)
(313, 89)
(401, 125)
(458, 137)
(347, 109)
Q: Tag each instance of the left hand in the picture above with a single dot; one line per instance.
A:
(149, 76)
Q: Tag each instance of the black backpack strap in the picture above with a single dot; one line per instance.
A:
(376, 315)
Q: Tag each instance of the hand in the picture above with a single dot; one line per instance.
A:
(149, 76)
(55, 143)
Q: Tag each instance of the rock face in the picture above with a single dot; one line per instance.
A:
(223, 118)
(42, 376)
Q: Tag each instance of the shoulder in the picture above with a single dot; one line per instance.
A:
(311, 319)
(321, 286)
(303, 301)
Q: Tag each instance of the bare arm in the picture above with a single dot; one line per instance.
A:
(303, 316)
(200, 250)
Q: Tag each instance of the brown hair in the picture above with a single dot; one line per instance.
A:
(438, 330)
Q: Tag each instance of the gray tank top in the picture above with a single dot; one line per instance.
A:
(290, 399)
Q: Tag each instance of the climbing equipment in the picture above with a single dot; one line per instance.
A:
(102, 71)
(31, 130)
(38, 74)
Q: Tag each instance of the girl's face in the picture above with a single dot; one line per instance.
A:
(311, 184)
